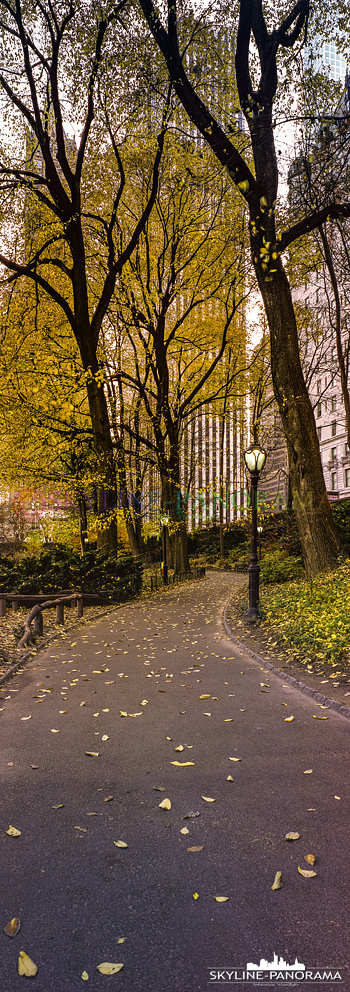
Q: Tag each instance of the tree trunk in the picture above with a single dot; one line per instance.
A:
(82, 523)
(318, 535)
(107, 530)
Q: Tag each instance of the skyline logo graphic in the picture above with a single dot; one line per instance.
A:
(276, 970)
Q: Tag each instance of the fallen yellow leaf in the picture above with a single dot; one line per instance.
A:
(208, 800)
(105, 737)
(120, 843)
(196, 895)
(184, 830)
(107, 968)
(277, 882)
(310, 859)
(84, 975)
(206, 696)
(229, 778)
(308, 771)
(144, 702)
(93, 754)
(122, 713)
(306, 874)
(235, 759)
(59, 806)
(195, 849)
(55, 731)
(12, 832)
(221, 898)
(26, 717)
(289, 719)
(166, 804)
(13, 927)
(26, 966)
(315, 717)
(121, 940)
(179, 748)
(292, 836)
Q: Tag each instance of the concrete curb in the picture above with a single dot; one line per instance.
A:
(332, 704)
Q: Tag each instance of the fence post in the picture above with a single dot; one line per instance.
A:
(60, 613)
(80, 604)
(2, 607)
(38, 624)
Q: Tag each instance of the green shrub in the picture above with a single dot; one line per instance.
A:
(277, 566)
(64, 568)
(341, 517)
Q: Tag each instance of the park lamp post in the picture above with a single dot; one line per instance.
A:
(255, 458)
(164, 523)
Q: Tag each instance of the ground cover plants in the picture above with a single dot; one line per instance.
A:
(311, 619)
(63, 568)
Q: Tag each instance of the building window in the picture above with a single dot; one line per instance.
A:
(319, 411)
(319, 432)
(346, 449)
(318, 387)
(334, 481)
(334, 403)
(347, 478)
(334, 428)
(333, 454)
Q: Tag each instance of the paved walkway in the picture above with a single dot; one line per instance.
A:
(82, 899)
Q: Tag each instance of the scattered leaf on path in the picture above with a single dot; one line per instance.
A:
(26, 717)
(229, 778)
(26, 966)
(144, 702)
(84, 975)
(305, 873)
(120, 843)
(55, 731)
(293, 835)
(107, 968)
(121, 940)
(310, 859)
(179, 748)
(159, 788)
(92, 754)
(12, 832)
(207, 799)
(166, 804)
(108, 799)
(184, 830)
(122, 713)
(308, 771)
(105, 737)
(206, 696)
(12, 927)
(196, 895)
(289, 719)
(194, 848)
(59, 806)
(316, 717)
(221, 898)
(277, 882)
(235, 759)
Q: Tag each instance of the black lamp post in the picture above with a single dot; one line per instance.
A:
(254, 458)
(164, 523)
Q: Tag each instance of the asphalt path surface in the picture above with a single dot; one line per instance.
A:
(83, 900)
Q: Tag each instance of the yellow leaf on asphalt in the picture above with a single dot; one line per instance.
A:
(205, 696)
(310, 858)
(144, 702)
(134, 714)
(107, 968)
(26, 966)
(85, 976)
(221, 898)
(336, 797)
(169, 738)
(184, 830)
(182, 764)
(121, 940)
(63, 711)
(316, 717)
(120, 843)
(179, 748)
(207, 799)
(289, 719)
(229, 778)
(277, 882)
(108, 799)
(13, 832)
(105, 737)
(93, 754)
(166, 804)
(196, 895)
(206, 714)
(235, 759)
(26, 717)
(308, 771)
(55, 731)
(59, 806)
(122, 713)
(195, 848)
(293, 835)
(105, 711)
(306, 874)
(12, 927)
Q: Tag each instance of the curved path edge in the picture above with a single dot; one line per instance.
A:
(332, 704)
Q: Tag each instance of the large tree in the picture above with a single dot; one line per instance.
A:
(256, 54)
(58, 233)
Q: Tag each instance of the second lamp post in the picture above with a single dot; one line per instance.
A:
(254, 458)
